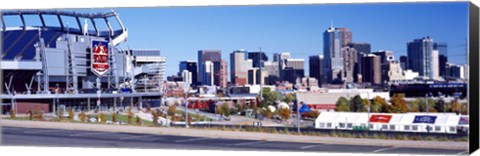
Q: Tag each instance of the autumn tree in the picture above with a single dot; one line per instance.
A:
(70, 113)
(225, 110)
(399, 103)
(103, 119)
(30, 114)
(440, 105)
(155, 115)
(171, 111)
(138, 120)
(356, 104)
(129, 116)
(284, 113)
(379, 105)
(38, 114)
(12, 113)
(114, 117)
(342, 105)
(82, 116)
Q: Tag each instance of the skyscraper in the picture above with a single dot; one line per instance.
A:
(420, 56)
(315, 68)
(223, 74)
(386, 57)
(190, 66)
(442, 57)
(293, 69)
(404, 62)
(239, 66)
(209, 75)
(257, 58)
(349, 61)
(214, 56)
(362, 49)
(371, 69)
(333, 40)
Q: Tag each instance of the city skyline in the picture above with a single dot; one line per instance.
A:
(179, 32)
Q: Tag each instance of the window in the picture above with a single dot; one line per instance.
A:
(349, 125)
(407, 128)
(341, 125)
(371, 126)
(329, 125)
(452, 129)
(392, 127)
(415, 127)
(322, 125)
(384, 126)
(437, 128)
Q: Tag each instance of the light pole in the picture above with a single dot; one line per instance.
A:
(368, 110)
(298, 111)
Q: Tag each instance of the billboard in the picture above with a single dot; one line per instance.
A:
(99, 57)
(380, 118)
(424, 119)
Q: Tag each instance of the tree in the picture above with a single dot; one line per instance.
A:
(269, 97)
(399, 102)
(379, 105)
(289, 98)
(60, 113)
(82, 116)
(37, 114)
(30, 114)
(138, 120)
(422, 106)
(148, 109)
(225, 110)
(129, 116)
(356, 104)
(440, 105)
(312, 114)
(114, 117)
(414, 106)
(342, 105)
(103, 119)
(171, 111)
(284, 113)
(155, 115)
(70, 113)
(12, 113)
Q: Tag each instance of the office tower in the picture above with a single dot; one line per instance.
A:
(272, 72)
(419, 53)
(209, 75)
(435, 65)
(385, 56)
(187, 76)
(293, 69)
(223, 74)
(257, 58)
(256, 76)
(333, 40)
(239, 66)
(349, 61)
(281, 59)
(190, 66)
(455, 71)
(442, 57)
(393, 72)
(214, 56)
(371, 69)
(404, 62)
(315, 68)
(362, 49)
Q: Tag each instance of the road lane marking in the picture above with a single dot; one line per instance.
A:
(384, 149)
(82, 134)
(189, 140)
(42, 131)
(134, 137)
(248, 143)
(310, 146)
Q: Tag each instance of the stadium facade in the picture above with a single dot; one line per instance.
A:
(73, 59)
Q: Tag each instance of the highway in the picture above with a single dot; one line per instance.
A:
(15, 136)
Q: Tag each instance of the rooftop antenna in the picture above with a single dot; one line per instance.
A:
(331, 23)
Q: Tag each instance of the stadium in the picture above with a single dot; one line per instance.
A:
(56, 58)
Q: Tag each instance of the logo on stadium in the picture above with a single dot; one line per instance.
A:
(99, 57)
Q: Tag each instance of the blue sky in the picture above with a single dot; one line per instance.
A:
(179, 32)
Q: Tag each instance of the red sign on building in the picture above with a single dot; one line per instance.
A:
(380, 118)
(99, 57)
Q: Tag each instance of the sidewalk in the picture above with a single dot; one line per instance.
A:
(234, 134)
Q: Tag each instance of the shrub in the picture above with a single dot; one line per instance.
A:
(155, 115)
(88, 118)
(103, 119)
(171, 111)
(70, 113)
(82, 117)
(129, 116)
(30, 114)
(37, 114)
(114, 117)
(138, 120)
(12, 113)
(96, 118)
